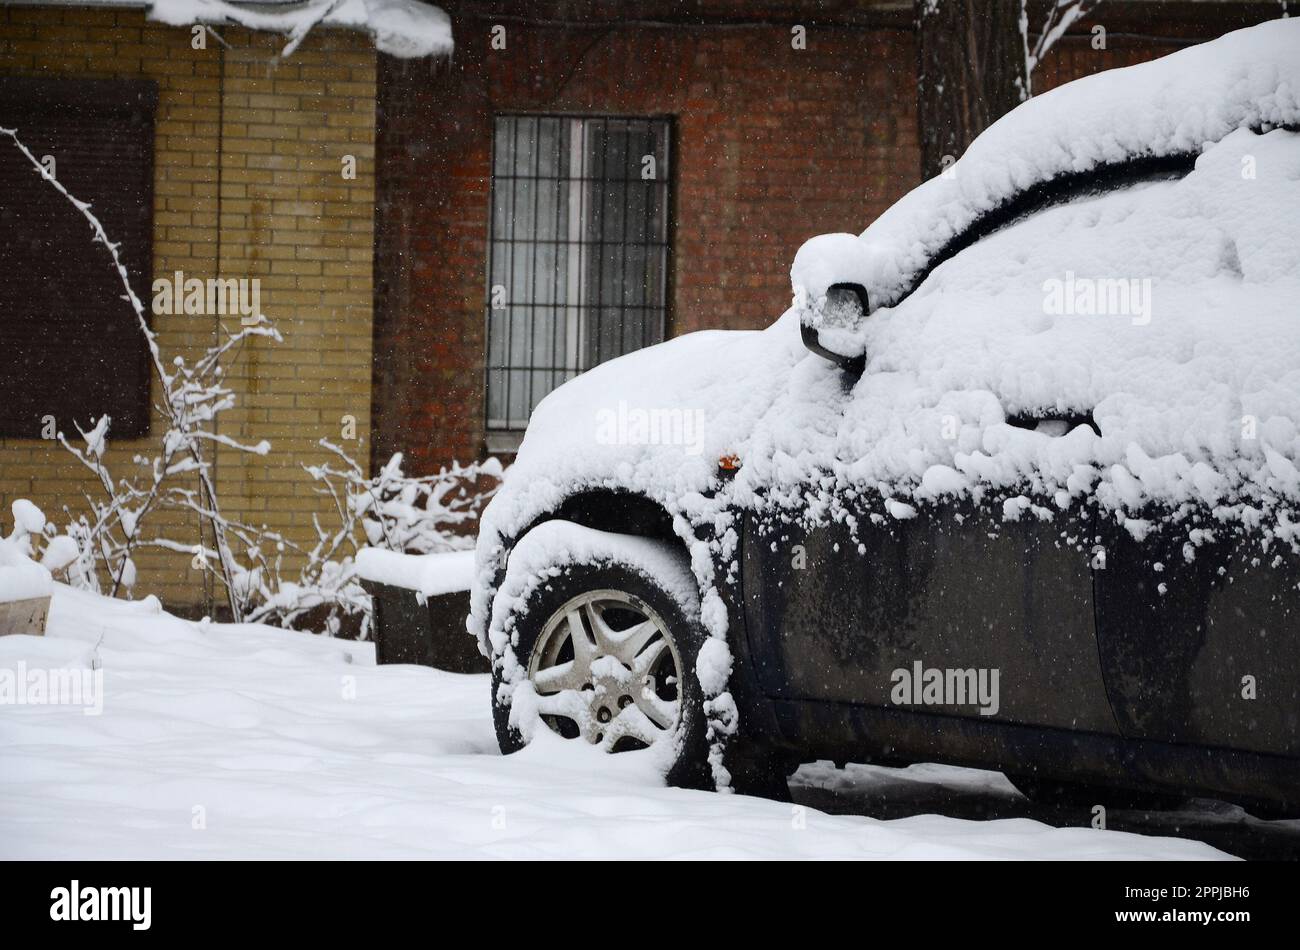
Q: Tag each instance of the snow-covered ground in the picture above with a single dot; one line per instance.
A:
(219, 741)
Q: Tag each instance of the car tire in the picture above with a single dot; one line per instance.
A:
(610, 596)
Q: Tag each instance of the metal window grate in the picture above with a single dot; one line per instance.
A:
(578, 258)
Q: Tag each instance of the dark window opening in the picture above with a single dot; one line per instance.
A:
(578, 261)
(70, 344)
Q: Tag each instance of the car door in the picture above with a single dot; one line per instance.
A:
(1200, 642)
(835, 612)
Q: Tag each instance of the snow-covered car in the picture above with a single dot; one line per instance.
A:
(1030, 503)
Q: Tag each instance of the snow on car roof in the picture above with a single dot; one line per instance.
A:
(1175, 104)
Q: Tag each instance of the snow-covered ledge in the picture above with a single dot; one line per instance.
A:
(430, 575)
(408, 29)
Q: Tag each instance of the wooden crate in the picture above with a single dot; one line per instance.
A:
(429, 631)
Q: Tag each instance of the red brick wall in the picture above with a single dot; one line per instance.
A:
(773, 145)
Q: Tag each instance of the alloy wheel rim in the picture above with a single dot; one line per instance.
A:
(606, 669)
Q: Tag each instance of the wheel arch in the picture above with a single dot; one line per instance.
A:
(618, 511)
(615, 510)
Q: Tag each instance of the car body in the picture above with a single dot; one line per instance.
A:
(1031, 501)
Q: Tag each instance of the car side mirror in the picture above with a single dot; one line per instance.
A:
(841, 314)
(846, 306)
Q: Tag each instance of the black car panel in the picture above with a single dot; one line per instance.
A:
(895, 736)
(1201, 644)
(832, 614)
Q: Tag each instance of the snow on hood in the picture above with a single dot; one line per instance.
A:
(654, 422)
(1194, 381)
(1172, 105)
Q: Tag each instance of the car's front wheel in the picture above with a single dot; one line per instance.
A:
(609, 651)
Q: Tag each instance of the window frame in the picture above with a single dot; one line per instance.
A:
(506, 439)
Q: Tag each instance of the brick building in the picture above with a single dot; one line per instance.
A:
(577, 179)
(242, 157)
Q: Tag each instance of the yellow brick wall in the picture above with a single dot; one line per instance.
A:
(248, 184)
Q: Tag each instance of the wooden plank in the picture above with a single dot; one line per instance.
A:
(24, 616)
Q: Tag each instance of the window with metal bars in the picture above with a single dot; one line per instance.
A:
(578, 264)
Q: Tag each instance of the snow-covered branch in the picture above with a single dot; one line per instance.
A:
(249, 562)
(1061, 15)
(192, 399)
(415, 515)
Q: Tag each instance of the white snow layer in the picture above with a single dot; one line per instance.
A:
(219, 741)
(1195, 385)
(21, 578)
(430, 574)
(403, 28)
